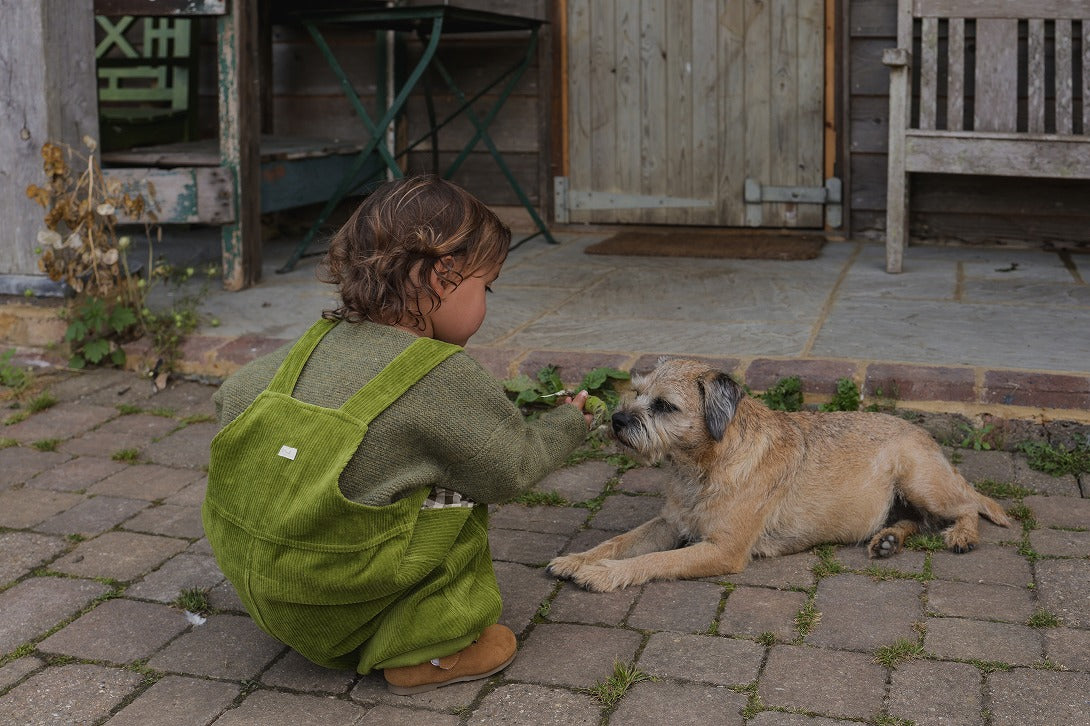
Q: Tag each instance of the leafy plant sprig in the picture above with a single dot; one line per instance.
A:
(548, 389)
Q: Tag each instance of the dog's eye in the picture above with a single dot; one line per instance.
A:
(661, 405)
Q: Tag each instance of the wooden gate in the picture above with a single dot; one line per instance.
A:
(674, 104)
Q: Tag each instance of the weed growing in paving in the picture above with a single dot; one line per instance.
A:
(541, 499)
(6, 443)
(11, 375)
(978, 439)
(1057, 461)
(902, 650)
(1043, 619)
(999, 490)
(46, 444)
(193, 599)
(625, 675)
(846, 397)
(786, 395)
(126, 455)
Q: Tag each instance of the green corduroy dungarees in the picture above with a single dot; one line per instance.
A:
(347, 585)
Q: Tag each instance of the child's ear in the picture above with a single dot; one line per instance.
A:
(442, 274)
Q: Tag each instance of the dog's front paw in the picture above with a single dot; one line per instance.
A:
(565, 567)
(604, 576)
(884, 544)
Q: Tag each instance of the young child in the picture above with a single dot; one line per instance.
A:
(348, 488)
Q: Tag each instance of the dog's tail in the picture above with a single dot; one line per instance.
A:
(992, 510)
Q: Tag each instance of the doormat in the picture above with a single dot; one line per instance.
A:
(731, 243)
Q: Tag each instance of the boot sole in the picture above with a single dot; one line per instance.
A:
(424, 688)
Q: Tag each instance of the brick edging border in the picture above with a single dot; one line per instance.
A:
(901, 383)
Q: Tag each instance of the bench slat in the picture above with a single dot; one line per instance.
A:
(1045, 155)
(1070, 9)
(955, 75)
(996, 107)
(1064, 84)
(929, 63)
(1035, 76)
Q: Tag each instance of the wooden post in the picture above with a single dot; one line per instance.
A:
(899, 60)
(239, 139)
(48, 89)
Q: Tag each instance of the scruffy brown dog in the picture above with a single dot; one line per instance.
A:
(750, 481)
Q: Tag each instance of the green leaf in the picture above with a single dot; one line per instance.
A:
(527, 397)
(118, 357)
(549, 378)
(519, 383)
(96, 350)
(76, 330)
(122, 317)
(77, 362)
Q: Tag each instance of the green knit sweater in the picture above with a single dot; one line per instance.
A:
(454, 429)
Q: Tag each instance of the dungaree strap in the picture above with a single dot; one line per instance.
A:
(288, 374)
(407, 368)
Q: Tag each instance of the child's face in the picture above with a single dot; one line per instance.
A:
(462, 309)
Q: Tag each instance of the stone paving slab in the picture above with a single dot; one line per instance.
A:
(93, 555)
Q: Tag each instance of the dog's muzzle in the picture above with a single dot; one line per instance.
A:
(622, 421)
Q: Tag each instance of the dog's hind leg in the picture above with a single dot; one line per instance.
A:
(890, 540)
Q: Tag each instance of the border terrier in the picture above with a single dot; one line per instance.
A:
(749, 481)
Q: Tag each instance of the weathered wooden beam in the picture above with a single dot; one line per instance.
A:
(193, 195)
(160, 7)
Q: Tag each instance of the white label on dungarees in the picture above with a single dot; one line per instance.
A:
(287, 452)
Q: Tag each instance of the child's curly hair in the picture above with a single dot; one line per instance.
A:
(382, 257)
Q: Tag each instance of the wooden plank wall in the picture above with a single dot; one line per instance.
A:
(945, 207)
(307, 99)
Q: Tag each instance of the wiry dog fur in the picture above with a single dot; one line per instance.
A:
(750, 481)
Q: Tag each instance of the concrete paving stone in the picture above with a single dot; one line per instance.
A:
(587, 539)
(994, 534)
(787, 571)
(133, 431)
(457, 697)
(178, 701)
(580, 482)
(69, 694)
(825, 682)
(92, 516)
(20, 464)
(32, 607)
(555, 520)
(181, 572)
(299, 674)
(226, 646)
(497, 361)
(118, 631)
(22, 552)
(984, 602)
(187, 447)
(1065, 485)
(522, 590)
(22, 508)
(620, 512)
(1026, 697)
(76, 475)
(655, 703)
(779, 718)
(184, 398)
(199, 547)
(890, 609)
(703, 658)
(528, 548)
(573, 604)
(273, 708)
(1063, 589)
(577, 656)
(1060, 511)
(120, 556)
(906, 561)
(224, 598)
(934, 692)
(145, 481)
(169, 520)
(753, 611)
(62, 421)
(1068, 648)
(18, 669)
(977, 466)
(646, 480)
(1060, 542)
(393, 716)
(191, 496)
(683, 606)
(101, 386)
(961, 639)
(986, 564)
(525, 704)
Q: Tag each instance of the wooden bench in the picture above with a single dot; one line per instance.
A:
(992, 92)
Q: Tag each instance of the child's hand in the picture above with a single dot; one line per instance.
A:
(580, 402)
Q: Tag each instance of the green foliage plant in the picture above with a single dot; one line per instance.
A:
(11, 375)
(1055, 460)
(785, 395)
(546, 390)
(977, 439)
(846, 397)
(624, 676)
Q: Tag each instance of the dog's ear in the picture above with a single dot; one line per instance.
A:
(721, 395)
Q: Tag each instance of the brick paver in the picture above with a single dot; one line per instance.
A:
(94, 552)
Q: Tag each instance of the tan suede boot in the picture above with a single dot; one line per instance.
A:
(491, 652)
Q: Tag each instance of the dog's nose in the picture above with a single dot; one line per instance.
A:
(620, 421)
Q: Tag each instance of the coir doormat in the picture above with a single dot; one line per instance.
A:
(731, 243)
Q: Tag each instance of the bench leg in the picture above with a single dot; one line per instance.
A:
(897, 179)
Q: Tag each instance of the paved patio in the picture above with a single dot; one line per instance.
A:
(97, 546)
